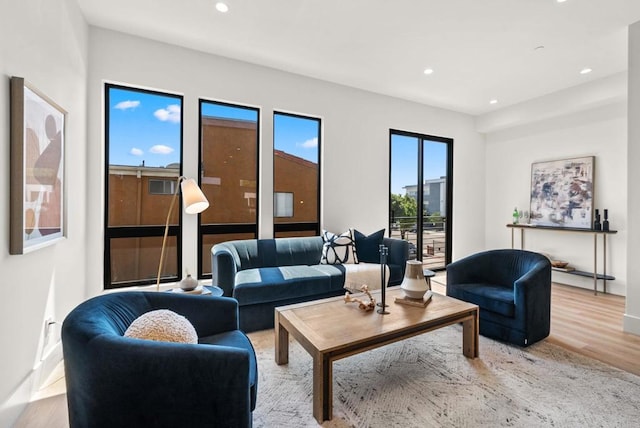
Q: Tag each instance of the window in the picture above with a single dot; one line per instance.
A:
(143, 143)
(162, 187)
(283, 204)
(296, 172)
(420, 195)
(229, 176)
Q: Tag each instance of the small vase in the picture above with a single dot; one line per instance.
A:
(188, 283)
(414, 285)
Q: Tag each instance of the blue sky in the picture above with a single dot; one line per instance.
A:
(404, 163)
(143, 126)
(146, 127)
(297, 136)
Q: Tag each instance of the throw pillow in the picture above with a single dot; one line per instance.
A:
(162, 325)
(338, 249)
(368, 247)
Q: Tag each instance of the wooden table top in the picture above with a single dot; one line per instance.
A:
(331, 324)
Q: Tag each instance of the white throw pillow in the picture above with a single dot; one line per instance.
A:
(162, 325)
(338, 249)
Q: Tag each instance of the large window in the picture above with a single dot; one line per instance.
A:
(420, 195)
(296, 175)
(143, 143)
(229, 176)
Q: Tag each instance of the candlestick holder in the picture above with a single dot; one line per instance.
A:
(384, 252)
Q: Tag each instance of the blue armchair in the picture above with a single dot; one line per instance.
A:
(117, 381)
(512, 289)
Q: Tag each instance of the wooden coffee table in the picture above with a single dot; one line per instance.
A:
(330, 330)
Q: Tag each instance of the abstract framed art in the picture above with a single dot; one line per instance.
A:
(37, 177)
(562, 193)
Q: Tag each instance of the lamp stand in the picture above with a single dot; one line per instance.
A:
(166, 231)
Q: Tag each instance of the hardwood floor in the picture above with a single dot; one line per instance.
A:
(581, 322)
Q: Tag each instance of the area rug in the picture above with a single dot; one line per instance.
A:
(425, 381)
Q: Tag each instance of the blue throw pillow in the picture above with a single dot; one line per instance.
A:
(368, 247)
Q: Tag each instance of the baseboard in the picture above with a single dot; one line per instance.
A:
(13, 407)
(631, 324)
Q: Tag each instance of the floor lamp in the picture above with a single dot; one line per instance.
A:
(194, 202)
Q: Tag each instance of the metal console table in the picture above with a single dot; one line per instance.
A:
(596, 276)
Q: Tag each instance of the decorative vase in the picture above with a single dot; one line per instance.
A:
(188, 283)
(414, 285)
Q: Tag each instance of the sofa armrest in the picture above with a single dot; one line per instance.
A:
(117, 380)
(532, 293)
(398, 251)
(223, 268)
(467, 270)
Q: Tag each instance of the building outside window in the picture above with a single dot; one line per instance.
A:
(229, 139)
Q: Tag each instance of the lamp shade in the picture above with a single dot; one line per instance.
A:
(414, 284)
(194, 200)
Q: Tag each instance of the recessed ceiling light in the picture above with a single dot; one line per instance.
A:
(493, 101)
(561, 1)
(222, 7)
(586, 70)
(428, 71)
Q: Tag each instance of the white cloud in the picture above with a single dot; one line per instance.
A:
(170, 114)
(309, 144)
(126, 105)
(136, 152)
(161, 149)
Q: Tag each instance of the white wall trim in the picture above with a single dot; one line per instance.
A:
(631, 324)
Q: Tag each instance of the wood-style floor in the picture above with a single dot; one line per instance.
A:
(580, 321)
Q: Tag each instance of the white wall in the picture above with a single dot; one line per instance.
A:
(587, 120)
(355, 147)
(46, 43)
(632, 312)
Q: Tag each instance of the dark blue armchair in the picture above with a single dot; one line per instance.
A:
(116, 381)
(512, 289)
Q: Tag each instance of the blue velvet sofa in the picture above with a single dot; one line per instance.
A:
(117, 381)
(262, 274)
(512, 289)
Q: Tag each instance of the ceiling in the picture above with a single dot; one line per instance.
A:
(479, 49)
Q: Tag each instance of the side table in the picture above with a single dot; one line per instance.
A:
(428, 274)
(212, 290)
(215, 290)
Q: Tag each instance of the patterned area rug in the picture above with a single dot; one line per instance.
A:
(425, 381)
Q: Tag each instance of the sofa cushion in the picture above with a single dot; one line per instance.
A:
(494, 298)
(368, 247)
(272, 284)
(162, 325)
(338, 249)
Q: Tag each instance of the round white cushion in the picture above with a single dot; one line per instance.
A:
(162, 325)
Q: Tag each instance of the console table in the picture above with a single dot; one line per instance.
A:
(596, 276)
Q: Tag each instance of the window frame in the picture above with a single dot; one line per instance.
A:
(226, 228)
(300, 226)
(420, 187)
(139, 231)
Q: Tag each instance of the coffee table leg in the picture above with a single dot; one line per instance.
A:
(282, 342)
(470, 339)
(322, 388)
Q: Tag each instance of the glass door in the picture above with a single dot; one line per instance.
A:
(420, 194)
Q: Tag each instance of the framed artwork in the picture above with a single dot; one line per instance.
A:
(562, 193)
(37, 201)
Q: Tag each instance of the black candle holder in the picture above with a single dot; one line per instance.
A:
(384, 252)
(605, 223)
